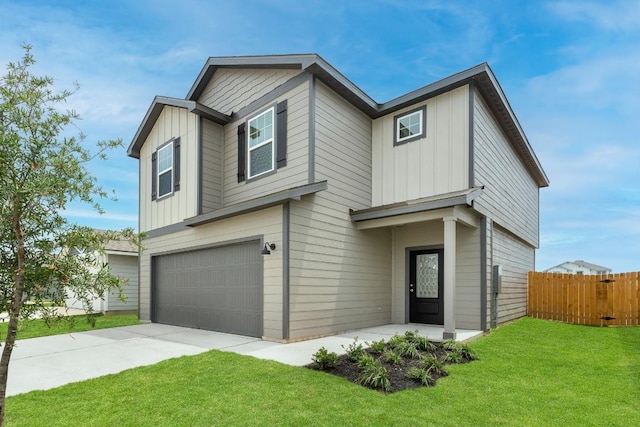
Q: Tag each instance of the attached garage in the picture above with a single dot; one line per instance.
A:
(218, 289)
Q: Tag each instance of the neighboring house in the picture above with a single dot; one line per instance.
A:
(281, 201)
(578, 267)
(122, 258)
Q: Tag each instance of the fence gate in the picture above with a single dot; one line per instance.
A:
(600, 300)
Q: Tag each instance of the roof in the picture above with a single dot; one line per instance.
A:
(463, 197)
(583, 264)
(481, 76)
(118, 245)
(590, 266)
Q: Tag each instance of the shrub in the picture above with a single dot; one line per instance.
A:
(355, 350)
(392, 357)
(396, 340)
(463, 350)
(408, 349)
(365, 360)
(421, 342)
(433, 365)
(421, 375)
(375, 376)
(377, 346)
(322, 359)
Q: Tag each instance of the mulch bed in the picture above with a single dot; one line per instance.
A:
(397, 373)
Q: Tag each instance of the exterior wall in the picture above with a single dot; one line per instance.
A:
(343, 148)
(340, 277)
(511, 196)
(292, 175)
(211, 173)
(467, 268)
(517, 259)
(231, 89)
(173, 122)
(435, 164)
(266, 223)
(125, 266)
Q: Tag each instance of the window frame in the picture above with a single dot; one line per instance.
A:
(170, 146)
(272, 141)
(397, 140)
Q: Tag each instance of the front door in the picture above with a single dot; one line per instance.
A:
(426, 285)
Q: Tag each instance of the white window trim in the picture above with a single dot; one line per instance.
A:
(421, 113)
(159, 172)
(272, 140)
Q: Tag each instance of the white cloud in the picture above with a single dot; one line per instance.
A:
(620, 15)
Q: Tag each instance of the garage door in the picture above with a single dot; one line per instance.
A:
(219, 289)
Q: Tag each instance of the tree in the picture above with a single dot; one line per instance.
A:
(41, 172)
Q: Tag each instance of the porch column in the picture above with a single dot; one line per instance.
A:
(449, 278)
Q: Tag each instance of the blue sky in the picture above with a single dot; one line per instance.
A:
(569, 68)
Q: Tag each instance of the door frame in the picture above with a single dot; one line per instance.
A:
(407, 273)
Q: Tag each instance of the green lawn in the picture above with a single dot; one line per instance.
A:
(531, 373)
(38, 328)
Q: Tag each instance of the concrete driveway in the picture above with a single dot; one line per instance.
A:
(48, 362)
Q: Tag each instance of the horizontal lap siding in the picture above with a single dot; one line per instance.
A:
(343, 148)
(435, 164)
(516, 259)
(126, 267)
(173, 122)
(231, 89)
(510, 196)
(340, 277)
(212, 140)
(266, 223)
(292, 175)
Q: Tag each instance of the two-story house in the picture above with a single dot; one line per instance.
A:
(281, 201)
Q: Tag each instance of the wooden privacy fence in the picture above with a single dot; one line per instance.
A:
(601, 300)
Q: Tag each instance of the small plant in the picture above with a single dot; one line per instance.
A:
(421, 375)
(396, 340)
(407, 349)
(323, 359)
(392, 357)
(355, 350)
(454, 357)
(421, 342)
(377, 346)
(465, 352)
(433, 365)
(365, 361)
(375, 376)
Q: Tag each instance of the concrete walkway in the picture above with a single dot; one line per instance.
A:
(48, 362)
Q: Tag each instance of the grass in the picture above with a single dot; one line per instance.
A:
(530, 373)
(38, 328)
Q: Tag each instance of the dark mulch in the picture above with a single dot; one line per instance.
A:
(398, 373)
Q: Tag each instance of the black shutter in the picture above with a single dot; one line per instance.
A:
(154, 178)
(281, 137)
(176, 164)
(242, 149)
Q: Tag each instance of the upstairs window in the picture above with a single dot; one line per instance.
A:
(262, 143)
(261, 152)
(409, 126)
(165, 170)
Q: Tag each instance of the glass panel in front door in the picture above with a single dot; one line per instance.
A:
(427, 276)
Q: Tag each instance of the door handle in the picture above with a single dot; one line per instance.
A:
(411, 285)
